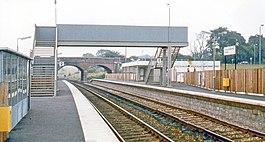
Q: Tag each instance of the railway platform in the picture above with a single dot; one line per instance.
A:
(67, 117)
(181, 86)
(185, 87)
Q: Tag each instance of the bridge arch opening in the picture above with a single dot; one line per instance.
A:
(71, 72)
(97, 72)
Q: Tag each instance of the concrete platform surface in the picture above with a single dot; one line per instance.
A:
(94, 127)
(183, 88)
(51, 119)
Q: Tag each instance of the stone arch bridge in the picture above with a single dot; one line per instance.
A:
(82, 63)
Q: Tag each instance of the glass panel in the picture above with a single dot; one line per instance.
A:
(6, 74)
(14, 72)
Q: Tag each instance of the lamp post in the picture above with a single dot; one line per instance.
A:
(55, 48)
(125, 54)
(137, 70)
(22, 38)
(169, 49)
(260, 42)
(254, 54)
(214, 52)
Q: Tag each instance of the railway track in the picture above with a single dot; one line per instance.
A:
(219, 129)
(126, 126)
(171, 128)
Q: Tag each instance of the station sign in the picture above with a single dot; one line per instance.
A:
(230, 50)
(159, 60)
(61, 63)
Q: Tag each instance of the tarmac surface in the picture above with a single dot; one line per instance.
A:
(51, 119)
(182, 86)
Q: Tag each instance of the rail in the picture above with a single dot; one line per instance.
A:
(197, 116)
(128, 114)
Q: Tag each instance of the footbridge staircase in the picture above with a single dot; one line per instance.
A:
(160, 59)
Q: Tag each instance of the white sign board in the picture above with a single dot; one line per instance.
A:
(230, 50)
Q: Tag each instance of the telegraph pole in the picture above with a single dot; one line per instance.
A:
(169, 50)
(55, 48)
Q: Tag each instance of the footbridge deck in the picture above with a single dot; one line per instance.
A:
(111, 36)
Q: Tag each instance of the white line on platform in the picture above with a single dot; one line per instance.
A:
(94, 127)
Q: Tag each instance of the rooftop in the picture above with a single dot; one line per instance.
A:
(6, 49)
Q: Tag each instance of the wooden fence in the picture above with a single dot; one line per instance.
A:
(121, 76)
(244, 80)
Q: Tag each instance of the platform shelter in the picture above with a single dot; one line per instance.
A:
(14, 89)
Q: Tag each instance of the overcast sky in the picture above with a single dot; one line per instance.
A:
(17, 18)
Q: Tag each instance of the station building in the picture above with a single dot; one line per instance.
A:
(136, 70)
(14, 88)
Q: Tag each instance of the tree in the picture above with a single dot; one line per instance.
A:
(225, 38)
(253, 43)
(145, 56)
(88, 55)
(109, 54)
(182, 57)
(91, 70)
(199, 46)
(133, 58)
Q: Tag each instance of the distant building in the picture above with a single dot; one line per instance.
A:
(192, 66)
(136, 70)
(184, 66)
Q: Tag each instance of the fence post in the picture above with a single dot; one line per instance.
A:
(245, 81)
(263, 81)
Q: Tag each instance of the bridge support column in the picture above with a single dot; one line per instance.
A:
(169, 75)
(84, 76)
(160, 77)
(164, 68)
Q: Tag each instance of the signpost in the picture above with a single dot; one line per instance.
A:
(230, 50)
